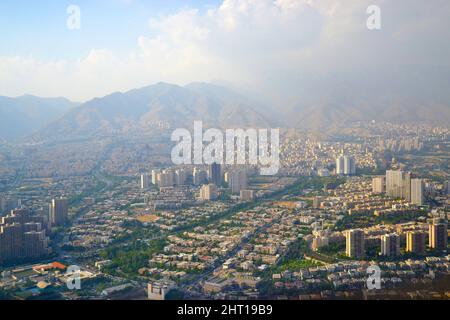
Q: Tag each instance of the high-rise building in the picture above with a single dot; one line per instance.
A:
(208, 192)
(345, 165)
(238, 181)
(167, 179)
(2, 205)
(227, 177)
(248, 195)
(340, 165)
(182, 177)
(215, 174)
(398, 184)
(355, 243)
(349, 165)
(415, 242)
(438, 234)
(417, 192)
(407, 186)
(447, 187)
(58, 212)
(156, 177)
(22, 236)
(379, 185)
(390, 245)
(145, 181)
(200, 177)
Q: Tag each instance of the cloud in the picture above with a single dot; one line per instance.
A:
(253, 43)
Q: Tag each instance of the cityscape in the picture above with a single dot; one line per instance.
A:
(103, 200)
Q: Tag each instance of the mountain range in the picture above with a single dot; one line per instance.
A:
(318, 106)
(161, 106)
(22, 116)
(409, 94)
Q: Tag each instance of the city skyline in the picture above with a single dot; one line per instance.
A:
(225, 151)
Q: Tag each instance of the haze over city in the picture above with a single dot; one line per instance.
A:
(255, 150)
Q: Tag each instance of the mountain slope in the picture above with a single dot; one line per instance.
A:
(22, 116)
(158, 105)
(403, 94)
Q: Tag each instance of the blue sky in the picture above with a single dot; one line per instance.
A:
(38, 28)
(261, 45)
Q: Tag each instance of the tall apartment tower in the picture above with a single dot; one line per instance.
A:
(340, 165)
(208, 192)
(182, 177)
(145, 181)
(215, 174)
(438, 234)
(22, 235)
(390, 245)
(238, 181)
(200, 177)
(167, 179)
(349, 165)
(415, 242)
(345, 165)
(58, 212)
(398, 184)
(379, 185)
(355, 243)
(156, 176)
(407, 186)
(417, 192)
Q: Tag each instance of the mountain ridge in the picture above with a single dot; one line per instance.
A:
(21, 116)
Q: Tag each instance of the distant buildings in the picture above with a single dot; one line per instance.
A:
(171, 178)
(317, 202)
(182, 177)
(398, 184)
(145, 181)
(8, 204)
(438, 234)
(208, 192)
(215, 174)
(238, 181)
(355, 243)
(379, 185)
(417, 192)
(415, 242)
(200, 177)
(58, 212)
(248, 195)
(167, 179)
(390, 245)
(319, 242)
(156, 177)
(345, 165)
(323, 172)
(22, 236)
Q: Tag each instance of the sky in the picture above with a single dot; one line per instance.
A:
(259, 44)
